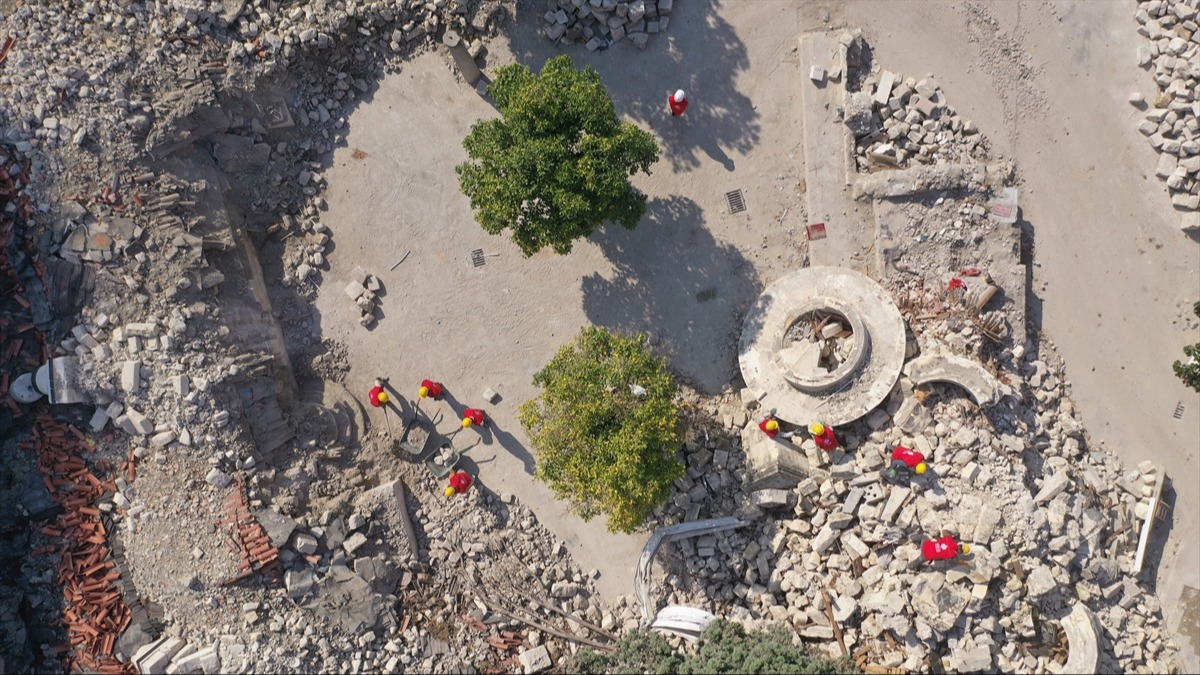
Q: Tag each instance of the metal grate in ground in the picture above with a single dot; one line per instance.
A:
(477, 259)
(1179, 410)
(737, 202)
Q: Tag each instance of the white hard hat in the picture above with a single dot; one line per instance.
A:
(679, 95)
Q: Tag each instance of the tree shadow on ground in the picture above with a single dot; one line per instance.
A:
(672, 279)
(700, 52)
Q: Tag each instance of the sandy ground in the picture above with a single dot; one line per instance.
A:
(1046, 82)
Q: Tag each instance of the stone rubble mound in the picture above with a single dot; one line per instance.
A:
(600, 23)
(902, 122)
(1172, 118)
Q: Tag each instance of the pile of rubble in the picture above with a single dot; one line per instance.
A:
(1052, 524)
(600, 23)
(1172, 119)
(898, 122)
(386, 579)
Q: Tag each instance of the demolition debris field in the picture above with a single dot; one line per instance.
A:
(187, 189)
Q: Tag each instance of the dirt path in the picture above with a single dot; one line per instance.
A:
(1113, 277)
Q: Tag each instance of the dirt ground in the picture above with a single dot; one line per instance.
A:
(1047, 82)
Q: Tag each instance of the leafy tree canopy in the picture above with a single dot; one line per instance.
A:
(1189, 372)
(556, 165)
(606, 427)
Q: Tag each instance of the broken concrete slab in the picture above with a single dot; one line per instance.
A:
(959, 370)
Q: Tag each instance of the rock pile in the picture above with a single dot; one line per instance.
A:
(1051, 523)
(900, 121)
(1172, 119)
(600, 23)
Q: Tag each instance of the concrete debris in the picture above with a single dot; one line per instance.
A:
(1172, 117)
(600, 23)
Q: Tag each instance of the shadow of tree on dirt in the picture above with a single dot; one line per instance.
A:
(674, 280)
(700, 52)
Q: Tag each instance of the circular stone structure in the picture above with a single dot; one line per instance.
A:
(772, 367)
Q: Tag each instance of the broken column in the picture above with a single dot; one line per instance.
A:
(462, 58)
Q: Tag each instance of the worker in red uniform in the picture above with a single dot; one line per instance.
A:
(905, 463)
(945, 548)
(429, 388)
(677, 102)
(378, 396)
(823, 436)
(769, 425)
(473, 417)
(460, 482)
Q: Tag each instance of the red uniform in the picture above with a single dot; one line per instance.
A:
(677, 107)
(460, 481)
(826, 441)
(911, 458)
(475, 415)
(374, 396)
(435, 388)
(771, 433)
(942, 549)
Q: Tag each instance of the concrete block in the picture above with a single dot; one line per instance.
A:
(1052, 487)
(770, 498)
(99, 419)
(883, 92)
(141, 330)
(355, 290)
(180, 384)
(138, 422)
(817, 74)
(824, 539)
(131, 376)
(537, 659)
(354, 542)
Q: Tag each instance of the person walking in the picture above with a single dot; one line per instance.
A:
(823, 436)
(946, 548)
(378, 395)
(905, 463)
(473, 417)
(460, 482)
(677, 102)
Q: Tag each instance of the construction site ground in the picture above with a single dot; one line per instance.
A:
(1047, 82)
(1113, 283)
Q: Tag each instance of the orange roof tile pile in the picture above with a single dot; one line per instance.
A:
(95, 615)
(248, 539)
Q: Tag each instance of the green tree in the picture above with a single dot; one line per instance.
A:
(1190, 372)
(606, 427)
(556, 165)
(726, 647)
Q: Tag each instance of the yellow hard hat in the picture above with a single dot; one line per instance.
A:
(966, 548)
(423, 392)
(383, 397)
(772, 425)
(921, 468)
(467, 423)
(816, 429)
(449, 492)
